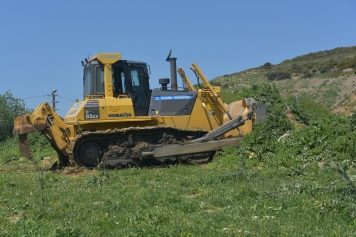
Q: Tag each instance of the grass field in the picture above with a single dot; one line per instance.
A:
(227, 197)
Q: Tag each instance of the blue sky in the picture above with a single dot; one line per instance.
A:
(43, 42)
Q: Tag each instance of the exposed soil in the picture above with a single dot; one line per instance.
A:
(348, 106)
(340, 88)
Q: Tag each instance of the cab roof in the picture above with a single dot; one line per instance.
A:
(106, 58)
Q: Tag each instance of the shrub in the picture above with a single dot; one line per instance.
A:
(267, 65)
(263, 140)
(278, 75)
(327, 65)
(308, 65)
(215, 83)
(297, 68)
(323, 70)
(347, 63)
(307, 74)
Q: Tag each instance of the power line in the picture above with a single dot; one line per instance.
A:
(48, 95)
(65, 98)
(31, 97)
(37, 96)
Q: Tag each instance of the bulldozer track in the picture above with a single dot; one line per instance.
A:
(122, 147)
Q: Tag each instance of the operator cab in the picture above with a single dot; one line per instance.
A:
(108, 77)
(129, 79)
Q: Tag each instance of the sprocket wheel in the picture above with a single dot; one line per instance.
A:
(89, 153)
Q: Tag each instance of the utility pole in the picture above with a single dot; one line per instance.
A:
(54, 99)
(296, 97)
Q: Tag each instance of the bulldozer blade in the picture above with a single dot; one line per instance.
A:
(192, 148)
(24, 148)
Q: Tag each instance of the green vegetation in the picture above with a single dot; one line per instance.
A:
(328, 61)
(278, 75)
(287, 179)
(178, 201)
(10, 108)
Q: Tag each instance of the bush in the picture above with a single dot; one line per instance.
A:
(296, 68)
(278, 75)
(225, 86)
(324, 137)
(323, 70)
(307, 74)
(263, 140)
(215, 83)
(267, 65)
(327, 65)
(347, 63)
(308, 65)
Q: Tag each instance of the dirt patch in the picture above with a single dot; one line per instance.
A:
(346, 107)
(14, 219)
(347, 88)
(329, 91)
(75, 172)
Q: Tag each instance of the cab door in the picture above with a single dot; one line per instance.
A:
(140, 88)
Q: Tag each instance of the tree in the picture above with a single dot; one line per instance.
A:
(10, 108)
(267, 65)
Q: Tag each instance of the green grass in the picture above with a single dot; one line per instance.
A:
(10, 154)
(224, 198)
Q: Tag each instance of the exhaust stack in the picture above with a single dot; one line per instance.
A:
(173, 63)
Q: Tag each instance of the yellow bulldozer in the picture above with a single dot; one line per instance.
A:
(121, 121)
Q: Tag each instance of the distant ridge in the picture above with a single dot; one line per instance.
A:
(328, 76)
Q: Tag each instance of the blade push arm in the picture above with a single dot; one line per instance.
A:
(200, 74)
(185, 79)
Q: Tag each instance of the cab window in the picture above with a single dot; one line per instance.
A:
(139, 86)
(86, 82)
(135, 78)
(119, 80)
(99, 75)
(123, 86)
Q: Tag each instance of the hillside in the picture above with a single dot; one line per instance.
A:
(327, 77)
